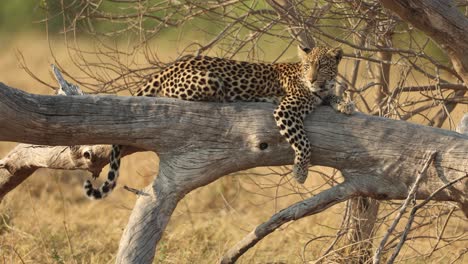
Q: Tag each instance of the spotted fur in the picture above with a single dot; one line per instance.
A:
(297, 88)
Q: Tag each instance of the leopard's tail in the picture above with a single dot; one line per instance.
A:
(108, 186)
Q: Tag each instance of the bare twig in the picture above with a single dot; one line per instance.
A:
(413, 215)
(135, 191)
(310, 206)
(408, 200)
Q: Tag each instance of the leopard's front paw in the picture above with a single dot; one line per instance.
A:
(300, 173)
(347, 107)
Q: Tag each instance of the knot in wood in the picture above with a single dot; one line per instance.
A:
(263, 146)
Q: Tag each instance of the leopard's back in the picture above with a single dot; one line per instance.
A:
(204, 78)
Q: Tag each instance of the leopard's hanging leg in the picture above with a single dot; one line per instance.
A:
(289, 116)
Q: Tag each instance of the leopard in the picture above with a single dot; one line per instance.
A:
(296, 88)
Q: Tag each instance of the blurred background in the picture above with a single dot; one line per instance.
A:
(390, 69)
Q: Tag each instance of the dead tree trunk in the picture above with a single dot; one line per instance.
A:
(200, 142)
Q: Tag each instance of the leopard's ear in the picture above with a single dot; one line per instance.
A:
(337, 53)
(303, 51)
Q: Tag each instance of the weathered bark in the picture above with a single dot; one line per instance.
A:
(200, 142)
(25, 159)
(22, 161)
(149, 219)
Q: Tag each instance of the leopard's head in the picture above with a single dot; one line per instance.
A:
(320, 68)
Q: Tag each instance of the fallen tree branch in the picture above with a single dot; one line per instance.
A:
(22, 161)
(200, 142)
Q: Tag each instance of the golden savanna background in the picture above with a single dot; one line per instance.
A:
(47, 219)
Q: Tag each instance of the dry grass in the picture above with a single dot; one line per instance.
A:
(48, 220)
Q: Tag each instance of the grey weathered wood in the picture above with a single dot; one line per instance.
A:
(65, 88)
(23, 160)
(463, 125)
(200, 142)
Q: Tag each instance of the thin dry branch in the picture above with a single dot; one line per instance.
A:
(411, 196)
(310, 206)
(413, 215)
(441, 21)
